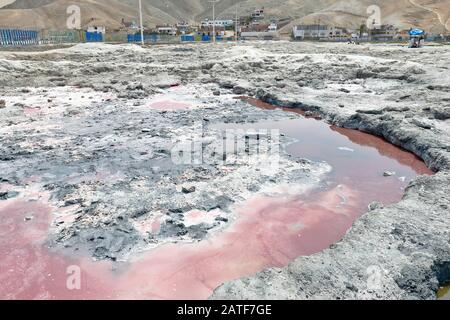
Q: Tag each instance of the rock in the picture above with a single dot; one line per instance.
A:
(389, 173)
(2, 104)
(208, 65)
(72, 202)
(439, 88)
(442, 114)
(373, 111)
(135, 87)
(216, 93)
(239, 90)
(8, 195)
(139, 213)
(227, 85)
(101, 69)
(422, 124)
(172, 229)
(364, 74)
(375, 205)
(344, 90)
(187, 190)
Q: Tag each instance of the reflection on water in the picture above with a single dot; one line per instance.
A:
(359, 160)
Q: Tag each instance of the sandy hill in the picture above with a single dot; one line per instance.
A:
(433, 15)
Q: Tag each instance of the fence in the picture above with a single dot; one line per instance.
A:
(60, 37)
(17, 37)
(154, 38)
(94, 37)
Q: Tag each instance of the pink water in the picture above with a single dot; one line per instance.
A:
(169, 105)
(268, 232)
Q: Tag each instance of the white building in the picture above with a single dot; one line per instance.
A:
(96, 29)
(311, 31)
(315, 31)
(261, 31)
(218, 23)
(172, 31)
(273, 27)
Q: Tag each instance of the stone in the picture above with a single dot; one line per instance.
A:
(375, 205)
(187, 190)
(442, 113)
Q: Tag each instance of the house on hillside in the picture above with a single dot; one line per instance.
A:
(183, 27)
(311, 31)
(260, 31)
(209, 30)
(218, 23)
(96, 29)
(258, 14)
(127, 25)
(385, 32)
(167, 30)
(273, 27)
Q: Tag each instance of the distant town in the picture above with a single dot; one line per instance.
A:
(252, 26)
(256, 26)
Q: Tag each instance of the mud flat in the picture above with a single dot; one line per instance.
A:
(86, 140)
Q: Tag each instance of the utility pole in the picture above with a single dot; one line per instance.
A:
(142, 25)
(236, 25)
(214, 19)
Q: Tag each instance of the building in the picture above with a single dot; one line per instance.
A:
(96, 29)
(273, 27)
(260, 31)
(318, 32)
(209, 30)
(218, 23)
(168, 30)
(340, 33)
(385, 32)
(311, 31)
(183, 27)
(129, 25)
(258, 14)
